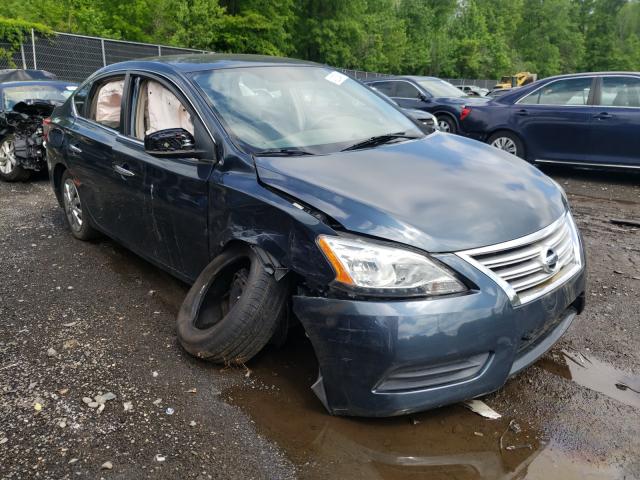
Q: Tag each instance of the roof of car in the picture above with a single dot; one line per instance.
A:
(414, 78)
(206, 61)
(22, 83)
(590, 74)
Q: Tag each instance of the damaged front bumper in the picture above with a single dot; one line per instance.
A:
(385, 358)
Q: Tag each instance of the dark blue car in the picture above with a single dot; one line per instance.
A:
(425, 268)
(586, 119)
(429, 94)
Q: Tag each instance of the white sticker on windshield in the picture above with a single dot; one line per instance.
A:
(71, 88)
(336, 77)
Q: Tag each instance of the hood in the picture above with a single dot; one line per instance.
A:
(441, 193)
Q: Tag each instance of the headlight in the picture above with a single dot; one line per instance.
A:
(378, 269)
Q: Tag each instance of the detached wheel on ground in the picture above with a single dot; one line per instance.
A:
(507, 141)
(78, 222)
(233, 308)
(447, 124)
(10, 171)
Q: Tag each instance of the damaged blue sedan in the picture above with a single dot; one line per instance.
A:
(426, 269)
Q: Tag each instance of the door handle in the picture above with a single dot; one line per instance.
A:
(123, 171)
(522, 113)
(603, 116)
(74, 148)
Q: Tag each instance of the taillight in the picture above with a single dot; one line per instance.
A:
(465, 113)
(46, 123)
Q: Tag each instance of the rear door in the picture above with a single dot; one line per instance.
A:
(89, 153)
(173, 192)
(616, 121)
(554, 121)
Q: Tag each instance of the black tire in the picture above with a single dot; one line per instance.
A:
(10, 170)
(232, 309)
(447, 124)
(504, 139)
(78, 221)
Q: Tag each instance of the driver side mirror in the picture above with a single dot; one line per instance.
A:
(171, 142)
(423, 97)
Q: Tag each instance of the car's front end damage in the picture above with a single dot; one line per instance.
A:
(389, 357)
(506, 275)
(22, 136)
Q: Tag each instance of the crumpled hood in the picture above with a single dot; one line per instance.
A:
(441, 193)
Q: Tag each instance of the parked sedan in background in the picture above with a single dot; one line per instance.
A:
(429, 94)
(428, 122)
(473, 90)
(586, 119)
(27, 97)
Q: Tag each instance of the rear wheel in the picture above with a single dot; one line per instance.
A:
(10, 171)
(77, 220)
(447, 124)
(233, 309)
(507, 141)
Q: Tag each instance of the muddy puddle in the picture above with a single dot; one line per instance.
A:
(595, 375)
(446, 443)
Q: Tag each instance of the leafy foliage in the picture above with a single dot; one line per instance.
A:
(457, 38)
(13, 32)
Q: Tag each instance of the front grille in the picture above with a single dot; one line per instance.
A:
(529, 267)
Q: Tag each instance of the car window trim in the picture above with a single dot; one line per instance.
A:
(145, 71)
(601, 84)
(589, 98)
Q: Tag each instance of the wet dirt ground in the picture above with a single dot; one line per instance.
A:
(82, 319)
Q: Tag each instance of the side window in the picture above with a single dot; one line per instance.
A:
(157, 108)
(406, 90)
(80, 99)
(384, 87)
(620, 92)
(106, 103)
(572, 91)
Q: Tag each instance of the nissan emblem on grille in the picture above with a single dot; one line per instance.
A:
(528, 267)
(549, 260)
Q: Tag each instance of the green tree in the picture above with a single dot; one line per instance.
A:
(549, 39)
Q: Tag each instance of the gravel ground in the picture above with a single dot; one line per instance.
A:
(80, 320)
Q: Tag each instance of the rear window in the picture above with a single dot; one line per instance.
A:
(13, 95)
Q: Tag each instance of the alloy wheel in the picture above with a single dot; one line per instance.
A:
(444, 125)
(506, 144)
(7, 157)
(72, 205)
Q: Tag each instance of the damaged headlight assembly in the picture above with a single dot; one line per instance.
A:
(368, 268)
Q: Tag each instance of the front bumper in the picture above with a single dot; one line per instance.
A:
(385, 358)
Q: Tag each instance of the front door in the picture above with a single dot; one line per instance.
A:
(555, 120)
(616, 122)
(174, 191)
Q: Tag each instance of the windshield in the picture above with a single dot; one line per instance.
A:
(440, 88)
(13, 95)
(315, 109)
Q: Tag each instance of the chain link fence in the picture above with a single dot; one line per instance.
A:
(75, 57)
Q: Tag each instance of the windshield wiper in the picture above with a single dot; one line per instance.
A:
(378, 140)
(282, 152)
